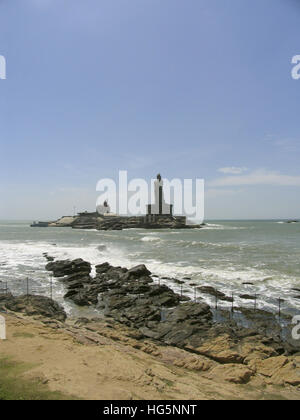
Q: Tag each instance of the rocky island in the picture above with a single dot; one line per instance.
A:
(159, 216)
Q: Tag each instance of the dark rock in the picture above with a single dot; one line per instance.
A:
(177, 336)
(178, 281)
(103, 268)
(118, 302)
(214, 292)
(131, 298)
(4, 298)
(167, 300)
(35, 305)
(149, 333)
(71, 293)
(80, 276)
(48, 257)
(80, 298)
(157, 290)
(248, 297)
(189, 310)
(138, 271)
(67, 267)
(184, 298)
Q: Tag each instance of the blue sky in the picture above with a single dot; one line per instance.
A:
(189, 88)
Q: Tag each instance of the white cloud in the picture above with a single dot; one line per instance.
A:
(232, 170)
(258, 177)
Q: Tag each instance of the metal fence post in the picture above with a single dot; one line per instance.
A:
(51, 292)
(279, 306)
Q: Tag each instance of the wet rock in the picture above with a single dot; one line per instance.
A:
(48, 257)
(248, 297)
(138, 271)
(80, 298)
(79, 276)
(103, 268)
(67, 267)
(214, 292)
(178, 281)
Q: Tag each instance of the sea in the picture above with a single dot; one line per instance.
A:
(235, 257)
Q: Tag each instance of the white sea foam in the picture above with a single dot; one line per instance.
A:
(195, 254)
(212, 226)
(150, 239)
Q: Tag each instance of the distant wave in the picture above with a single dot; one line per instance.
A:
(212, 226)
(150, 239)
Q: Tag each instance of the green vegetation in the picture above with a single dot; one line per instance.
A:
(14, 387)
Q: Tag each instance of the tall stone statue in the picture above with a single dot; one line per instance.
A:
(160, 207)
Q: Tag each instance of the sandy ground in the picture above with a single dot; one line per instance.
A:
(104, 361)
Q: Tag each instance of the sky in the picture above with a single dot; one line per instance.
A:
(187, 88)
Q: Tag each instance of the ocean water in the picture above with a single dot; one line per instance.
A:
(223, 255)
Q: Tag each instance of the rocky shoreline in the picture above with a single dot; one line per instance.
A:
(134, 300)
(131, 297)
